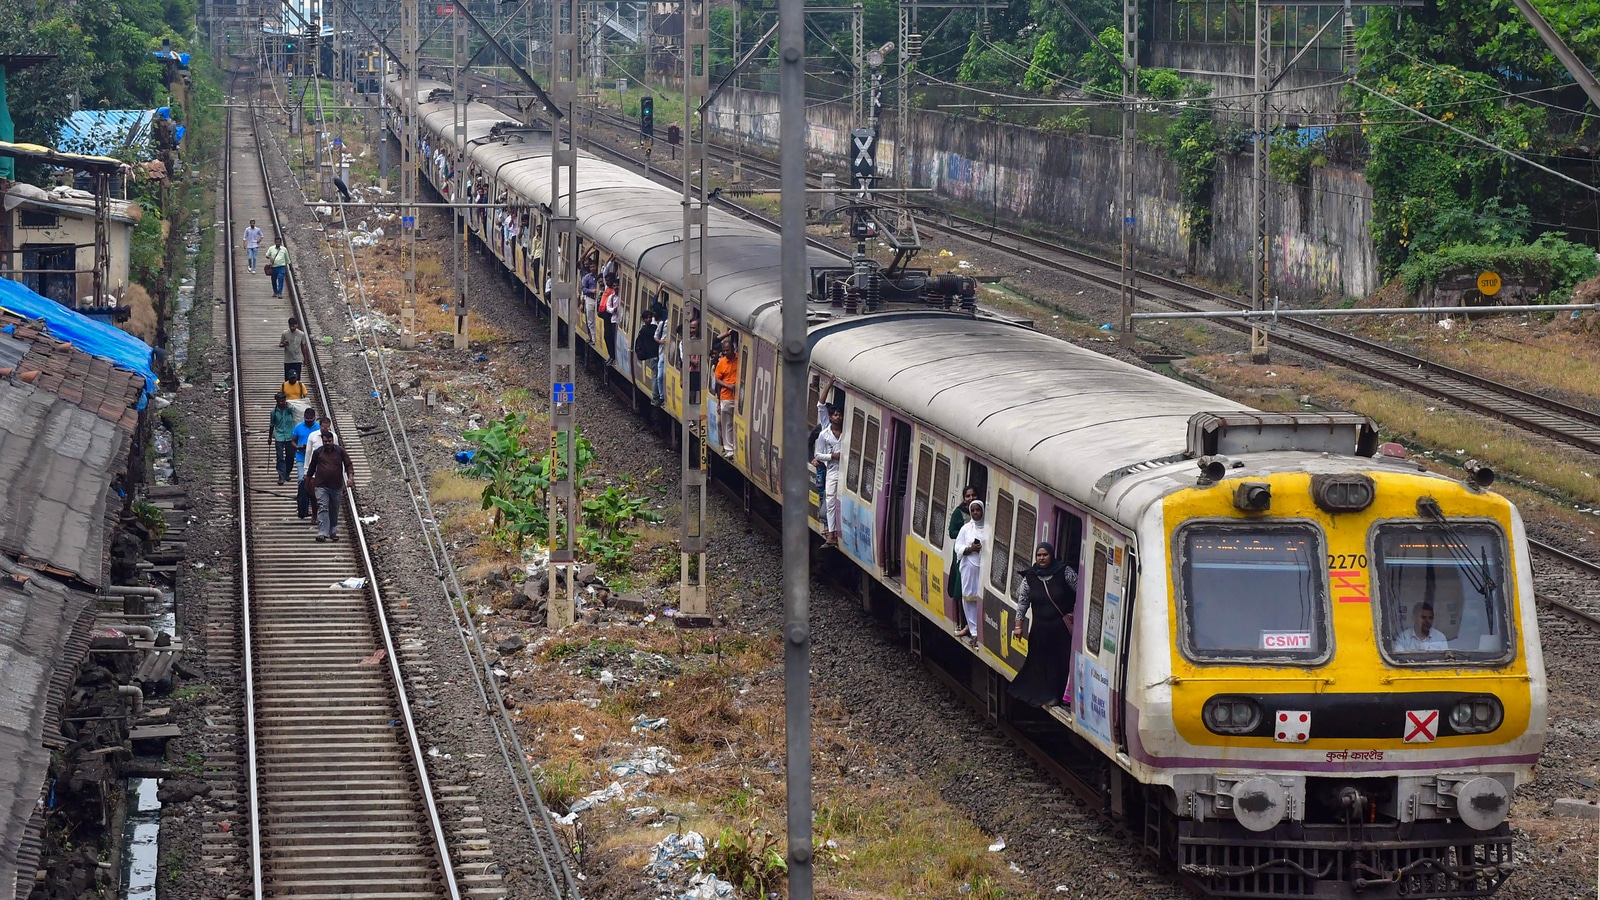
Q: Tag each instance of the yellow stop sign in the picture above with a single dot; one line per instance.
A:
(1489, 284)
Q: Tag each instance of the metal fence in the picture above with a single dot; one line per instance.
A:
(1233, 22)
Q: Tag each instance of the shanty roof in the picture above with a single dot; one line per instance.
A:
(65, 200)
(43, 638)
(106, 132)
(70, 420)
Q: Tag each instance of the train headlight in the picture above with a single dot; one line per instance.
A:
(1476, 715)
(1227, 714)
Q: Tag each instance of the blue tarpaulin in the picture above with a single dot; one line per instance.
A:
(120, 348)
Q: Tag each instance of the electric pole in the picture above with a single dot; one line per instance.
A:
(561, 262)
(1130, 144)
(697, 343)
(463, 193)
(408, 172)
(1260, 188)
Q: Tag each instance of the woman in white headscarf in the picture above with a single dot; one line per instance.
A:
(969, 546)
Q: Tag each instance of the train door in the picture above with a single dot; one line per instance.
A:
(892, 547)
(1013, 529)
(1098, 644)
(862, 440)
(978, 478)
(762, 458)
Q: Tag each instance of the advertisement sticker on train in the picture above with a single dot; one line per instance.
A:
(1286, 640)
(1092, 702)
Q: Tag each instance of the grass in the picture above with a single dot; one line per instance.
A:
(1539, 464)
(1561, 357)
(451, 487)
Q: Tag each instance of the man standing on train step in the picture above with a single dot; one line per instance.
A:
(727, 375)
(252, 243)
(278, 264)
(969, 543)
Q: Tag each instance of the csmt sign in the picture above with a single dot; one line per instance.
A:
(1286, 640)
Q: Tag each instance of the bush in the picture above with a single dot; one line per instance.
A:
(1552, 257)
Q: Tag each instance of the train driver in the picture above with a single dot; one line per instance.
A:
(1422, 636)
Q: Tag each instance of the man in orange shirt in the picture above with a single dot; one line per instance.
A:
(727, 375)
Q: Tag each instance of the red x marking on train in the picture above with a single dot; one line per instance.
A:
(1421, 725)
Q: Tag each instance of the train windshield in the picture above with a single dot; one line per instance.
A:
(1441, 591)
(1254, 591)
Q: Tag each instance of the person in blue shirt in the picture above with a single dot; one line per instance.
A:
(302, 433)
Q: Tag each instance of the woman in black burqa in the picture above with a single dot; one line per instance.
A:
(1050, 588)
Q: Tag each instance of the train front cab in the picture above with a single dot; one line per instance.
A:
(1355, 685)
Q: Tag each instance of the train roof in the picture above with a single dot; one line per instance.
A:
(1065, 415)
(641, 221)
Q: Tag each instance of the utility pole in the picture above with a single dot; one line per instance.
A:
(561, 262)
(738, 129)
(1260, 188)
(1130, 144)
(697, 343)
(908, 61)
(857, 56)
(792, 389)
(408, 172)
(462, 218)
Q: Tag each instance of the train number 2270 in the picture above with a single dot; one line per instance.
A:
(1347, 560)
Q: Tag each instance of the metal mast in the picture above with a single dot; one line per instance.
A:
(792, 390)
(463, 193)
(561, 262)
(1260, 263)
(1130, 142)
(858, 56)
(696, 342)
(408, 172)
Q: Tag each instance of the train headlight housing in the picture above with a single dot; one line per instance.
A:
(1476, 715)
(1343, 493)
(1231, 714)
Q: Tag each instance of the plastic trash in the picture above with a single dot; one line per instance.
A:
(998, 845)
(352, 583)
(707, 886)
(674, 852)
(652, 761)
(367, 520)
(465, 456)
(642, 723)
(1106, 327)
(606, 678)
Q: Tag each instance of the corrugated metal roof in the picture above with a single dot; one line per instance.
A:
(106, 132)
(37, 619)
(69, 423)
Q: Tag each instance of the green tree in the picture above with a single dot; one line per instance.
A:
(1047, 66)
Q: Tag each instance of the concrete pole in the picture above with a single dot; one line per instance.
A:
(1130, 142)
(1260, 157)
(458, 92)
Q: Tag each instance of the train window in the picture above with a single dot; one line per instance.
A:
(1001, 526)
(858, 429)
(1441, 591)
(937, 501)
(1022, 543)
(1252, 591)
(919, 501)
(869, 459)
(1095, 619)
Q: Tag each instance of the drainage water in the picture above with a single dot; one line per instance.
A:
(141, 833)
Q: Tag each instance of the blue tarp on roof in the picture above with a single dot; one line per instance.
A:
(106, 132)
(120, 348)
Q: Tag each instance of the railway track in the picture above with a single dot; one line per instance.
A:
(1564, 422)
(1590, 572)
(340, 802)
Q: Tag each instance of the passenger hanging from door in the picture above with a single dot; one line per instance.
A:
(828, 451)
(1050, 589)
(969, 544)
(727, 375)
(958, 518)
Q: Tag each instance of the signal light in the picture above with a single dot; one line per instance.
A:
(647, 117)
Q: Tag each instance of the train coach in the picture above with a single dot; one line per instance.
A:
(1301, 665)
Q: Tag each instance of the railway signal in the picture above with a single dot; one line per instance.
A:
(647, 117)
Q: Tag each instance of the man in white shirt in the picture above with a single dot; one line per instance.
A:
(1424, 636)
(252, 243)
(969, 543)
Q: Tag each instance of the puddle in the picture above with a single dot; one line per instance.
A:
(142, 831)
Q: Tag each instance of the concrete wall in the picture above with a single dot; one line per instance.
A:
(1058, 182)
(1306, 90)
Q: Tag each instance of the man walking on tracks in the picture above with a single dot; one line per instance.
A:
(294, 343)
(277, 264)
(328, 471)
(283, 425)
(252, 243)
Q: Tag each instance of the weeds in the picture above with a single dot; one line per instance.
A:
(749, 856)
(559, 785)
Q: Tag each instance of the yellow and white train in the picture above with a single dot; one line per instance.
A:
(1301, 666)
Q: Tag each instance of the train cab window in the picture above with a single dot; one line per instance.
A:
(1252, 591)
(938, 503)
(1441, 592)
